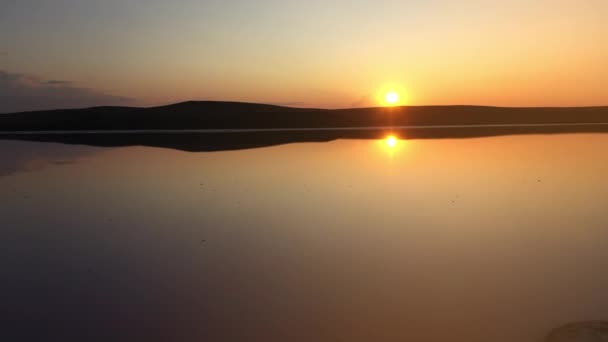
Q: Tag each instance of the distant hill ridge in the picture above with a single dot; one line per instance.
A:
(238, 115)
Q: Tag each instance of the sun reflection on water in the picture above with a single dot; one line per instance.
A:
(391, 144)
(391, 141)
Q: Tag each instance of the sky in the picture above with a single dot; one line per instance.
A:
(316, 53)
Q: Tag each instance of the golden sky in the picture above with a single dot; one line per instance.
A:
(314, 53)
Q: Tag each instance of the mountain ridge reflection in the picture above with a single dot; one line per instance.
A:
(226, 141)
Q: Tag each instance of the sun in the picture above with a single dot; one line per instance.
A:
(392, 95)
(391, 98)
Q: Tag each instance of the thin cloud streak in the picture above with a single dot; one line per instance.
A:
(22, 92)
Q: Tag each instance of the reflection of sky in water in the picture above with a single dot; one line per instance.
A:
(494, 239)
(27, 156)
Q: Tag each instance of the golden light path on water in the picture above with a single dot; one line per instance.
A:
(391, 141)
(392, 145)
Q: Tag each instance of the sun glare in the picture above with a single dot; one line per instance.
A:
(391, 98)
(392, 95)
(391, 141)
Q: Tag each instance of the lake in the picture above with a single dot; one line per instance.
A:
(482, 239)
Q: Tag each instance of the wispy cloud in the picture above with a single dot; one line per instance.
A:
(364, 101)
(56, 82)
(23, 92)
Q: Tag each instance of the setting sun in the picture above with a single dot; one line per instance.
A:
(392, 94)
(391, 98)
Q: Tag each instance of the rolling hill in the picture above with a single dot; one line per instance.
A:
(235, 115)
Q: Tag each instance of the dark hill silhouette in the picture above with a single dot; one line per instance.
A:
(226, 115)
(236, 115)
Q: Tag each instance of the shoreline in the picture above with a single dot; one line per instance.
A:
(288, 129)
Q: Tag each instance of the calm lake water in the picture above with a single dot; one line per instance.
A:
(488, 239)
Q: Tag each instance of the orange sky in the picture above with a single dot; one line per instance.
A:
(317, 53)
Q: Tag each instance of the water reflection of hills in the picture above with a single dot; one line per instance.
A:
(222, 141)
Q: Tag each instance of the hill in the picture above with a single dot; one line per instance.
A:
(236, 115)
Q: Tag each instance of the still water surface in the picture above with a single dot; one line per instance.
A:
(488, 239)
